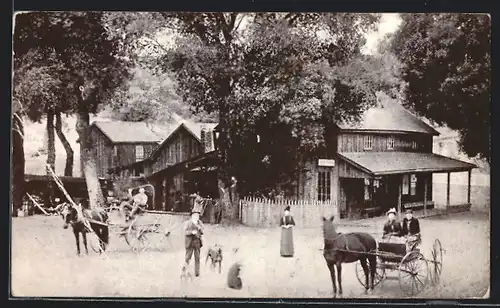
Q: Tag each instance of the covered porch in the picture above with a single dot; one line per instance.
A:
(174, 184)
(371, 183)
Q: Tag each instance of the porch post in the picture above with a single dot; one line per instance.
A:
(468, 186)
(400, 193)
(425, 195)
(448, 190)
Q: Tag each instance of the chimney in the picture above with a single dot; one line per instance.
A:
(203, 137)
(209, 143)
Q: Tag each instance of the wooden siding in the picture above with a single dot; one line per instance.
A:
(308, 182)
(126, 153)
(346, 170)
(354, 142)
(181, 147)
(104, 151)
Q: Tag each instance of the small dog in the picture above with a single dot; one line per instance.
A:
(215, 255)
(186, 275)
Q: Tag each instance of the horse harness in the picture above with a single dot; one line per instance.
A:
(346, 244)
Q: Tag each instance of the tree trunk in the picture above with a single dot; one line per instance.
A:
(68, 168)
(18, 162)
(51, 148)
(87, 156)
(229, 212)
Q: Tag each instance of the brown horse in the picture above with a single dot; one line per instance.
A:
(347, 248)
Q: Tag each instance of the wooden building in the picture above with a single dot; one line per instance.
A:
(171, 166)
(120, 143)
(384, 160)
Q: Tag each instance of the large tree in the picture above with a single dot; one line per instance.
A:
(91, 66)
(283, 76)
(447, 68)
(38, 86)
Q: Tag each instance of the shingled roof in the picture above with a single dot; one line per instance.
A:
(193, 128)
(382, 163)
(389, 115)
(127, 132)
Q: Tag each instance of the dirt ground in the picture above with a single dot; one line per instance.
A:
(44, 263)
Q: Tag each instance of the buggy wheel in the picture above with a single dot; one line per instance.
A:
(437, 260)
(95, 242)
(136, 238)
(413, 273)
(360, 274)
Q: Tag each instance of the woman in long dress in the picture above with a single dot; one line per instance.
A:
(286, 224)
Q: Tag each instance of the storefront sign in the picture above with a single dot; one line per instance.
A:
(326, 162)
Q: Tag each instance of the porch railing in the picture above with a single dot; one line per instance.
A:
(266, 213)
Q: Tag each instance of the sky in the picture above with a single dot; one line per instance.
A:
(389, 23)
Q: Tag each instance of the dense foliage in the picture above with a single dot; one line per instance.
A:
(447, 68)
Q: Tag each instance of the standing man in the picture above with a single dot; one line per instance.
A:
(193, 231)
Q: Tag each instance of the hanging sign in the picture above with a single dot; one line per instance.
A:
(326, 162)
(413, 178)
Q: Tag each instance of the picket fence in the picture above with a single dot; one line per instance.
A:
(265, 213)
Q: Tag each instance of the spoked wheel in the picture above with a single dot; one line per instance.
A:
(360, 274)
(95, 242)
(413, 273)
(437, 260)
(136, 237)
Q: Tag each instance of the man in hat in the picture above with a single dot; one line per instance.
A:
(411, 229)
(193, 230)
(392, 227)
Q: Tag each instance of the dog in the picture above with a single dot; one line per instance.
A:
(186, 275)
(215, 255)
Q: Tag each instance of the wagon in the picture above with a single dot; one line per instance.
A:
(414, 271)
(137, 234)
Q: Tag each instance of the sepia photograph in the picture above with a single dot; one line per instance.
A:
(250, 155)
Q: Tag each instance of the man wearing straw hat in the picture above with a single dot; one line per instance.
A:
(193, 231)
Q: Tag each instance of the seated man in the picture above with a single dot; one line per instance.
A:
(140, 201)
(392, 227)
(411, 229)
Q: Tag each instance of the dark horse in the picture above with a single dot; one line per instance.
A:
(347, 248)
(77, 216)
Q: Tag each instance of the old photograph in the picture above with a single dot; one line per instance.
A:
(250, 155)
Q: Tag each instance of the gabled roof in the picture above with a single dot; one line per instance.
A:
(389, 115)
(383, 163)
(127, 132)
(191, 127)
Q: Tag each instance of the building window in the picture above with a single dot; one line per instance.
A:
(324, 185)
(368, 142)
(139, 152)
(115, 150)
(390, 143)
(414, 145)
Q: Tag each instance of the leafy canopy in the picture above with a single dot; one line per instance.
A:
(447, 68)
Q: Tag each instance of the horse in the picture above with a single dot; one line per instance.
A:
(348, 248)
(76, 217)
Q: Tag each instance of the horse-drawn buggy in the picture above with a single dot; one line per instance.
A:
(414, 270)
(137, 229)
